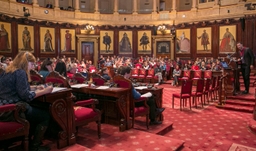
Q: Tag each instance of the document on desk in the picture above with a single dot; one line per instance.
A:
(79, 85)
(56, 89)
(141, 87)
(103, 87)
(147, 95)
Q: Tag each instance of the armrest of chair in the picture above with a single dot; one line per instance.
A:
(7, 108)
(91, 102)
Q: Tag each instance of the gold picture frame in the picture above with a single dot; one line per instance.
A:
(5, 37)
(68, 41)
(125, 42)
(183, 42)
(204, 40)
(106, 42)
(227, 37)
(26, 38)
(144, 42)
(47, 40)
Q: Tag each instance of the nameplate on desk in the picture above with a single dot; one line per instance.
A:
(103, 87)
(141, 87)
(79, 85)
(56, 89)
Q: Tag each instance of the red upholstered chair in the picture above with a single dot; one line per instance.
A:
(138, 65)
(185, 93)
(216, 89)
(79, 78)
(98, 80)
(92, 69)
(206, 90)
(135, 73)
(186, 74)
(199, 91)
(212, 88)
(84, 115)
(57, 80)
(135, 111)
(197, 74)
(151, 74)
(142, 74)
(207, 74)
(36, 78)
(17, 128)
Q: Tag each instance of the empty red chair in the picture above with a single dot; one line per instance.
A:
(151, 74)
(186, 74)
(185, 93)
(207, 74)
(206, 90)
(142, 74)
(135, 73)
(199, 91)
(197, 74)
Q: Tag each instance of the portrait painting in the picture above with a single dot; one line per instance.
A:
(163, 47)
(47, 40)
(144, 42)
(68, 41)
(227, 39)
(26, 38)
(5, 39)
(125, 42)
(183, 41)
(204, 39)
(106, 42)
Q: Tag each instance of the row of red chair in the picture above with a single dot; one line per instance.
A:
(204, 89)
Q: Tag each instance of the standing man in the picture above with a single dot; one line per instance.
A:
(247, 59)
(204, 40)
(144, 41)
(107, 41)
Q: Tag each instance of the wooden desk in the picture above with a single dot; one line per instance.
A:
(61, 109)
(121, 98)
(158, 94)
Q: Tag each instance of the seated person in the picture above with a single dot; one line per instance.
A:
(15, 89)
(46, 68)
(176, 74)
(158, 72)
(104, 74)
(74, 68)
(126, 72)
(61, 68)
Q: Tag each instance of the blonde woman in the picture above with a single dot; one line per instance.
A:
(15, 89)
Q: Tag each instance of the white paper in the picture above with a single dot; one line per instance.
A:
(141, 87)
(79, 85)
(56, 89)
(102, 87)
(147, 95)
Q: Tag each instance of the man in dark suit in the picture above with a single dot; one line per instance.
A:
(247, 59)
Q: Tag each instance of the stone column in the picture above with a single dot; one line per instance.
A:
(135, 7)
(193, 4)
(173, 5)
(154, 6)
(96, 6)
(77, 7)
(216, 3)
(116, 7)
(56, 4)
(35, 3)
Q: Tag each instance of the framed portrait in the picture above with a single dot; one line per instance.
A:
(47, 40)
(227, 39)
(144, 42)
(125, 42)
(68, 41)
(106, 42)
(204, 39)
(182, 41)
(5, 37)
(163, 47)
(26, 38)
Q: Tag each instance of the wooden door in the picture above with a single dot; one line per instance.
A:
(87, 51)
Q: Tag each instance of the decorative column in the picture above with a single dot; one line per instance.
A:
(96, 6)
(35, 3)
(193, 4)
(116, 7)
(56, 4)
(154, 6)
(135, 7)
(173, 5)
(77, 7)
(216, 3)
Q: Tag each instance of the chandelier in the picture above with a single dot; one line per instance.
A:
(89, 28)
(162, 29)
